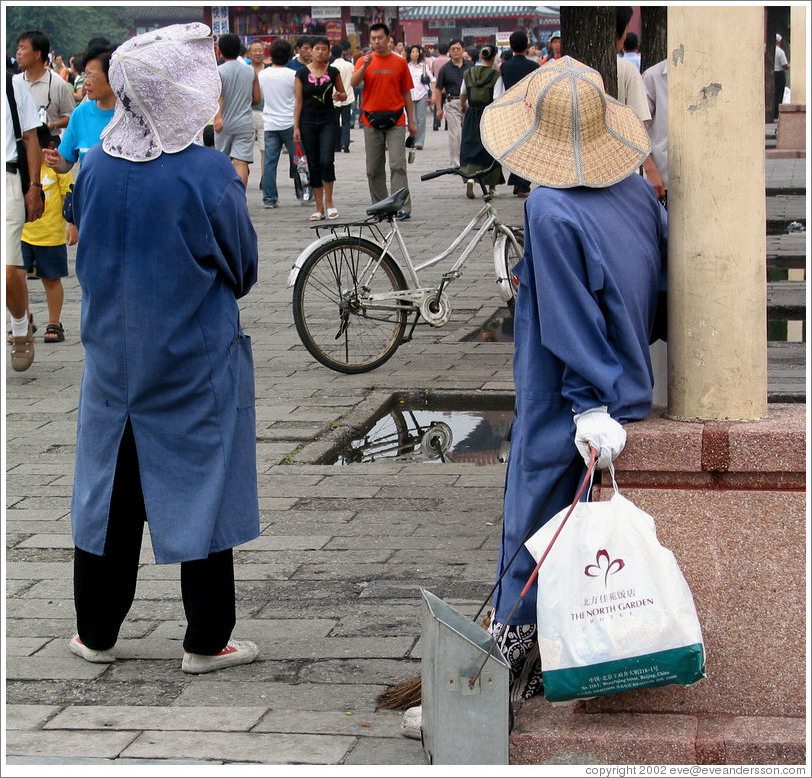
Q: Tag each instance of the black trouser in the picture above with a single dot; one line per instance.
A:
(342, 115)
(780, 78)
(319, 141)
(519, 184)
(104, 586)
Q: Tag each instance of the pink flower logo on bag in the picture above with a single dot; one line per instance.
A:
(604, 565)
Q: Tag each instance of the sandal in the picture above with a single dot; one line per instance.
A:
(10, 338)
(317, 216)
(332, 213)
(54, 333)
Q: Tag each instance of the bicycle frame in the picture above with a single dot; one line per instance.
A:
(483, 221)
(490, 219)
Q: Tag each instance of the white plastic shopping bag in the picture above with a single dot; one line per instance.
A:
(302, 173)
(614, 610)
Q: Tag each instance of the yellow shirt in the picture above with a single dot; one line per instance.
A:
(50, 229)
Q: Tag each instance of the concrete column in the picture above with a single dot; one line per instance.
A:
(797, 68)
(717, 324)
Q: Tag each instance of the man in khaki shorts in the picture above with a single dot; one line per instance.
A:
(233, 124)
(20, 208)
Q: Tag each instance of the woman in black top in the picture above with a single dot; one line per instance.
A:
(315, 126)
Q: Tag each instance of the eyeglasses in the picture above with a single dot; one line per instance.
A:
(91, 76)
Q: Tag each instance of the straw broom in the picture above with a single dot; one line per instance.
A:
(408, 693)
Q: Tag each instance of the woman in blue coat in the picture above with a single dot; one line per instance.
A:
(166, 429)
(584, 311)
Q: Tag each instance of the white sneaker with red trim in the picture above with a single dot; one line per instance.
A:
(237, 652)
(91, 654)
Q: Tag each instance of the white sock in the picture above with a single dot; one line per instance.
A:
(19, 327)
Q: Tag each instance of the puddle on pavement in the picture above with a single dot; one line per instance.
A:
(497, 329)
(434, 433)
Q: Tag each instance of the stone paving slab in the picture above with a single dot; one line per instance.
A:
(66, 745)
(381, 724)
(136, 718)
(311, 696)
(29, 716)
(259, 748)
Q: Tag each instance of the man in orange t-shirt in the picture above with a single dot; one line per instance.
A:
(387, 89)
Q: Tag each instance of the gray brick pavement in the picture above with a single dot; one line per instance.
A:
(330, 590)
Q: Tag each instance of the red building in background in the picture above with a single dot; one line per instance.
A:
(267, 23)
(425, 24)
(475, 25)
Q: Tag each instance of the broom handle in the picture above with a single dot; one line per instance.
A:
(536, 569)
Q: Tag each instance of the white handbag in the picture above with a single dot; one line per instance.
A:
(614, 610)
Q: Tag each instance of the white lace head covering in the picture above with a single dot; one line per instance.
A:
(167, 85)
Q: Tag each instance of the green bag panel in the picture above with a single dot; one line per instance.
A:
(685, 665)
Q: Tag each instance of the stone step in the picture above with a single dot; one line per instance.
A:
(786, 300)
(783, 209)
(786, 251)
(566, 735)
(786, 372)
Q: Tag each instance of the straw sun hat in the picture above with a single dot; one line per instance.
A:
(167, 85)
(558, 128)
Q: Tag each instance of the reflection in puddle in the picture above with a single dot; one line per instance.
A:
(497, 329)
(459, 436)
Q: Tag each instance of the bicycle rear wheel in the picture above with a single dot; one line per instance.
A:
(336, 320)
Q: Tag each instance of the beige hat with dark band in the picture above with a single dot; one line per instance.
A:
(557, 127)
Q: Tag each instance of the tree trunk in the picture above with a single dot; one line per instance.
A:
(588, 35)
(653, 37)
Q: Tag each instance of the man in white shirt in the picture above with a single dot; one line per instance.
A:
(344, 107)
(779, 73)
(21, 206)
(276, 84)
(655, 166)
(630, 89)
(52, 96)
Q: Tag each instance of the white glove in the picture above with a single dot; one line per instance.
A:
(597, 429)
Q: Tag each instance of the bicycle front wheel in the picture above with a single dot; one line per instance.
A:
(512, 254)
(343, 308)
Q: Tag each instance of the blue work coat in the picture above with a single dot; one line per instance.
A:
(165, 249)
(588, 283)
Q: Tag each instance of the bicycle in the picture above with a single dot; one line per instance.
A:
(352, 299)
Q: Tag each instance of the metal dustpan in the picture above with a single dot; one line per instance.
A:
(465, 689)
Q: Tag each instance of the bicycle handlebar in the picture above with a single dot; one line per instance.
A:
(458, 171)
(438, 173)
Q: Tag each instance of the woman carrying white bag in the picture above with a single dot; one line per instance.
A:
(595, 242)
